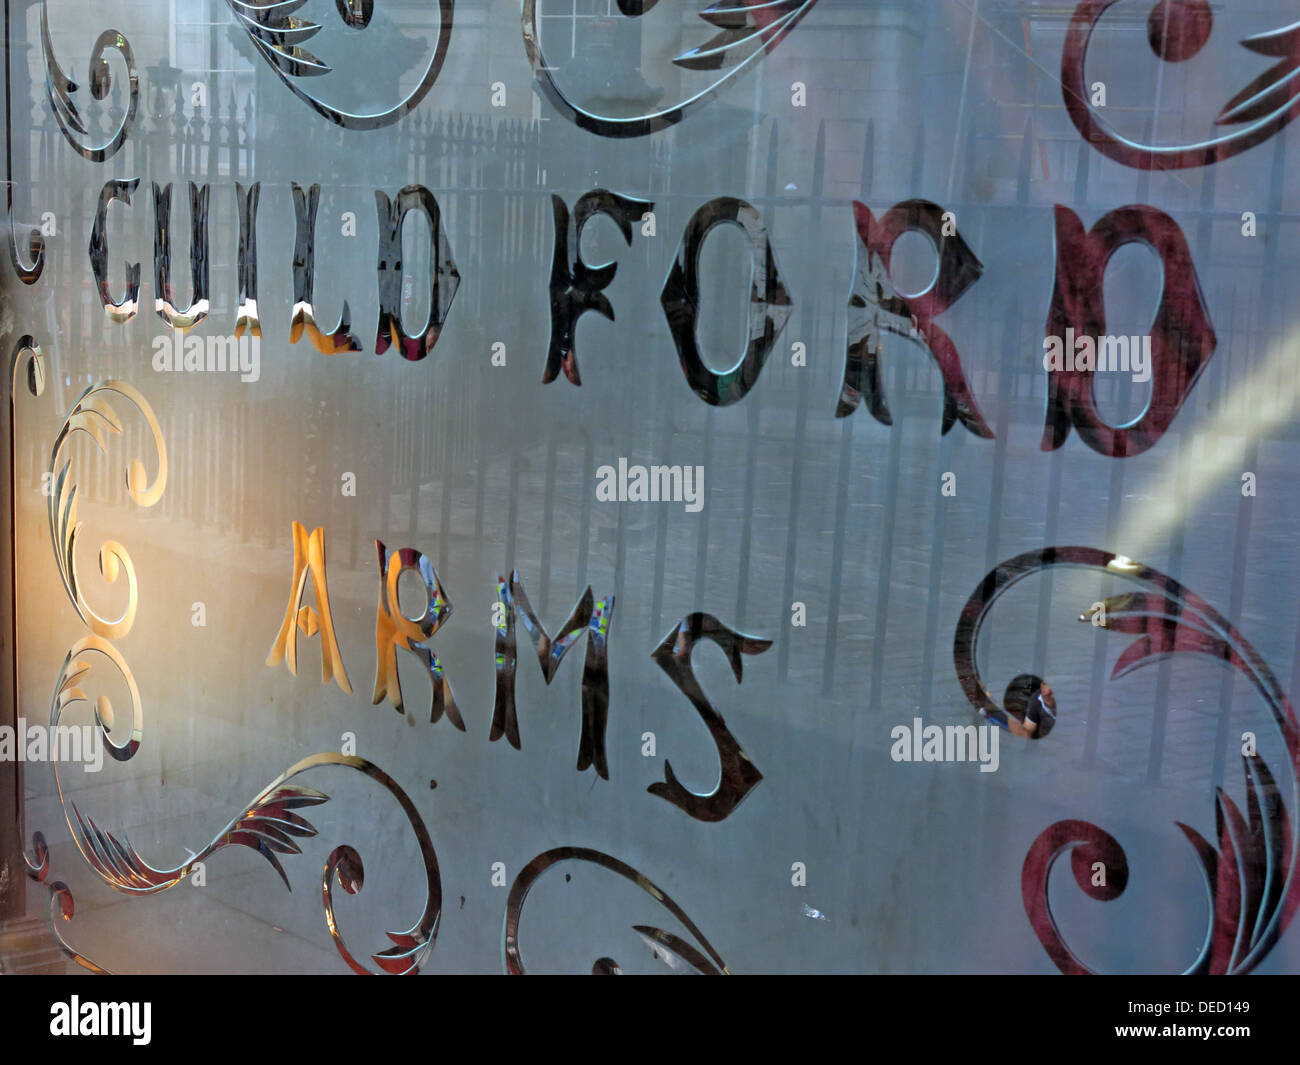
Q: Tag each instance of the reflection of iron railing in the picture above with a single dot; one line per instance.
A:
(488, 176)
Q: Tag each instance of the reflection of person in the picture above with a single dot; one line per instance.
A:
(1030, 707)
(1040, 712)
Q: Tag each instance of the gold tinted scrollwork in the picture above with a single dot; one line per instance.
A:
(93, 415)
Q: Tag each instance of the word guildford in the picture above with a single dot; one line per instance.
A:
(950, 743)
(218, 354)
(1101, 354)
(658, 484)
(70, 743)
(102, 1018)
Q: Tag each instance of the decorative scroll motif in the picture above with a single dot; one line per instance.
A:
(279, 35)
(326, 341)
(747, 31)
(309, 561)
(577, 288)
(60, 902)
(247, 199)
(39, 868)
(675, 952)
(61, 905)
(877, 307)
(444, 278)
(1250, 878)
(164, 297)
(738, 774)
(393, 629)
(28, 359)
(34, 365)
(93, 415)
(59, 89)
(589, 615)
(68, 692)
(28, 275)
(769, 302)
(1182, 338)
(122, 310)
(267, 825)
(1177, 30)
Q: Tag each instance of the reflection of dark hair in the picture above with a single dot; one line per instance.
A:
(1021, 689)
